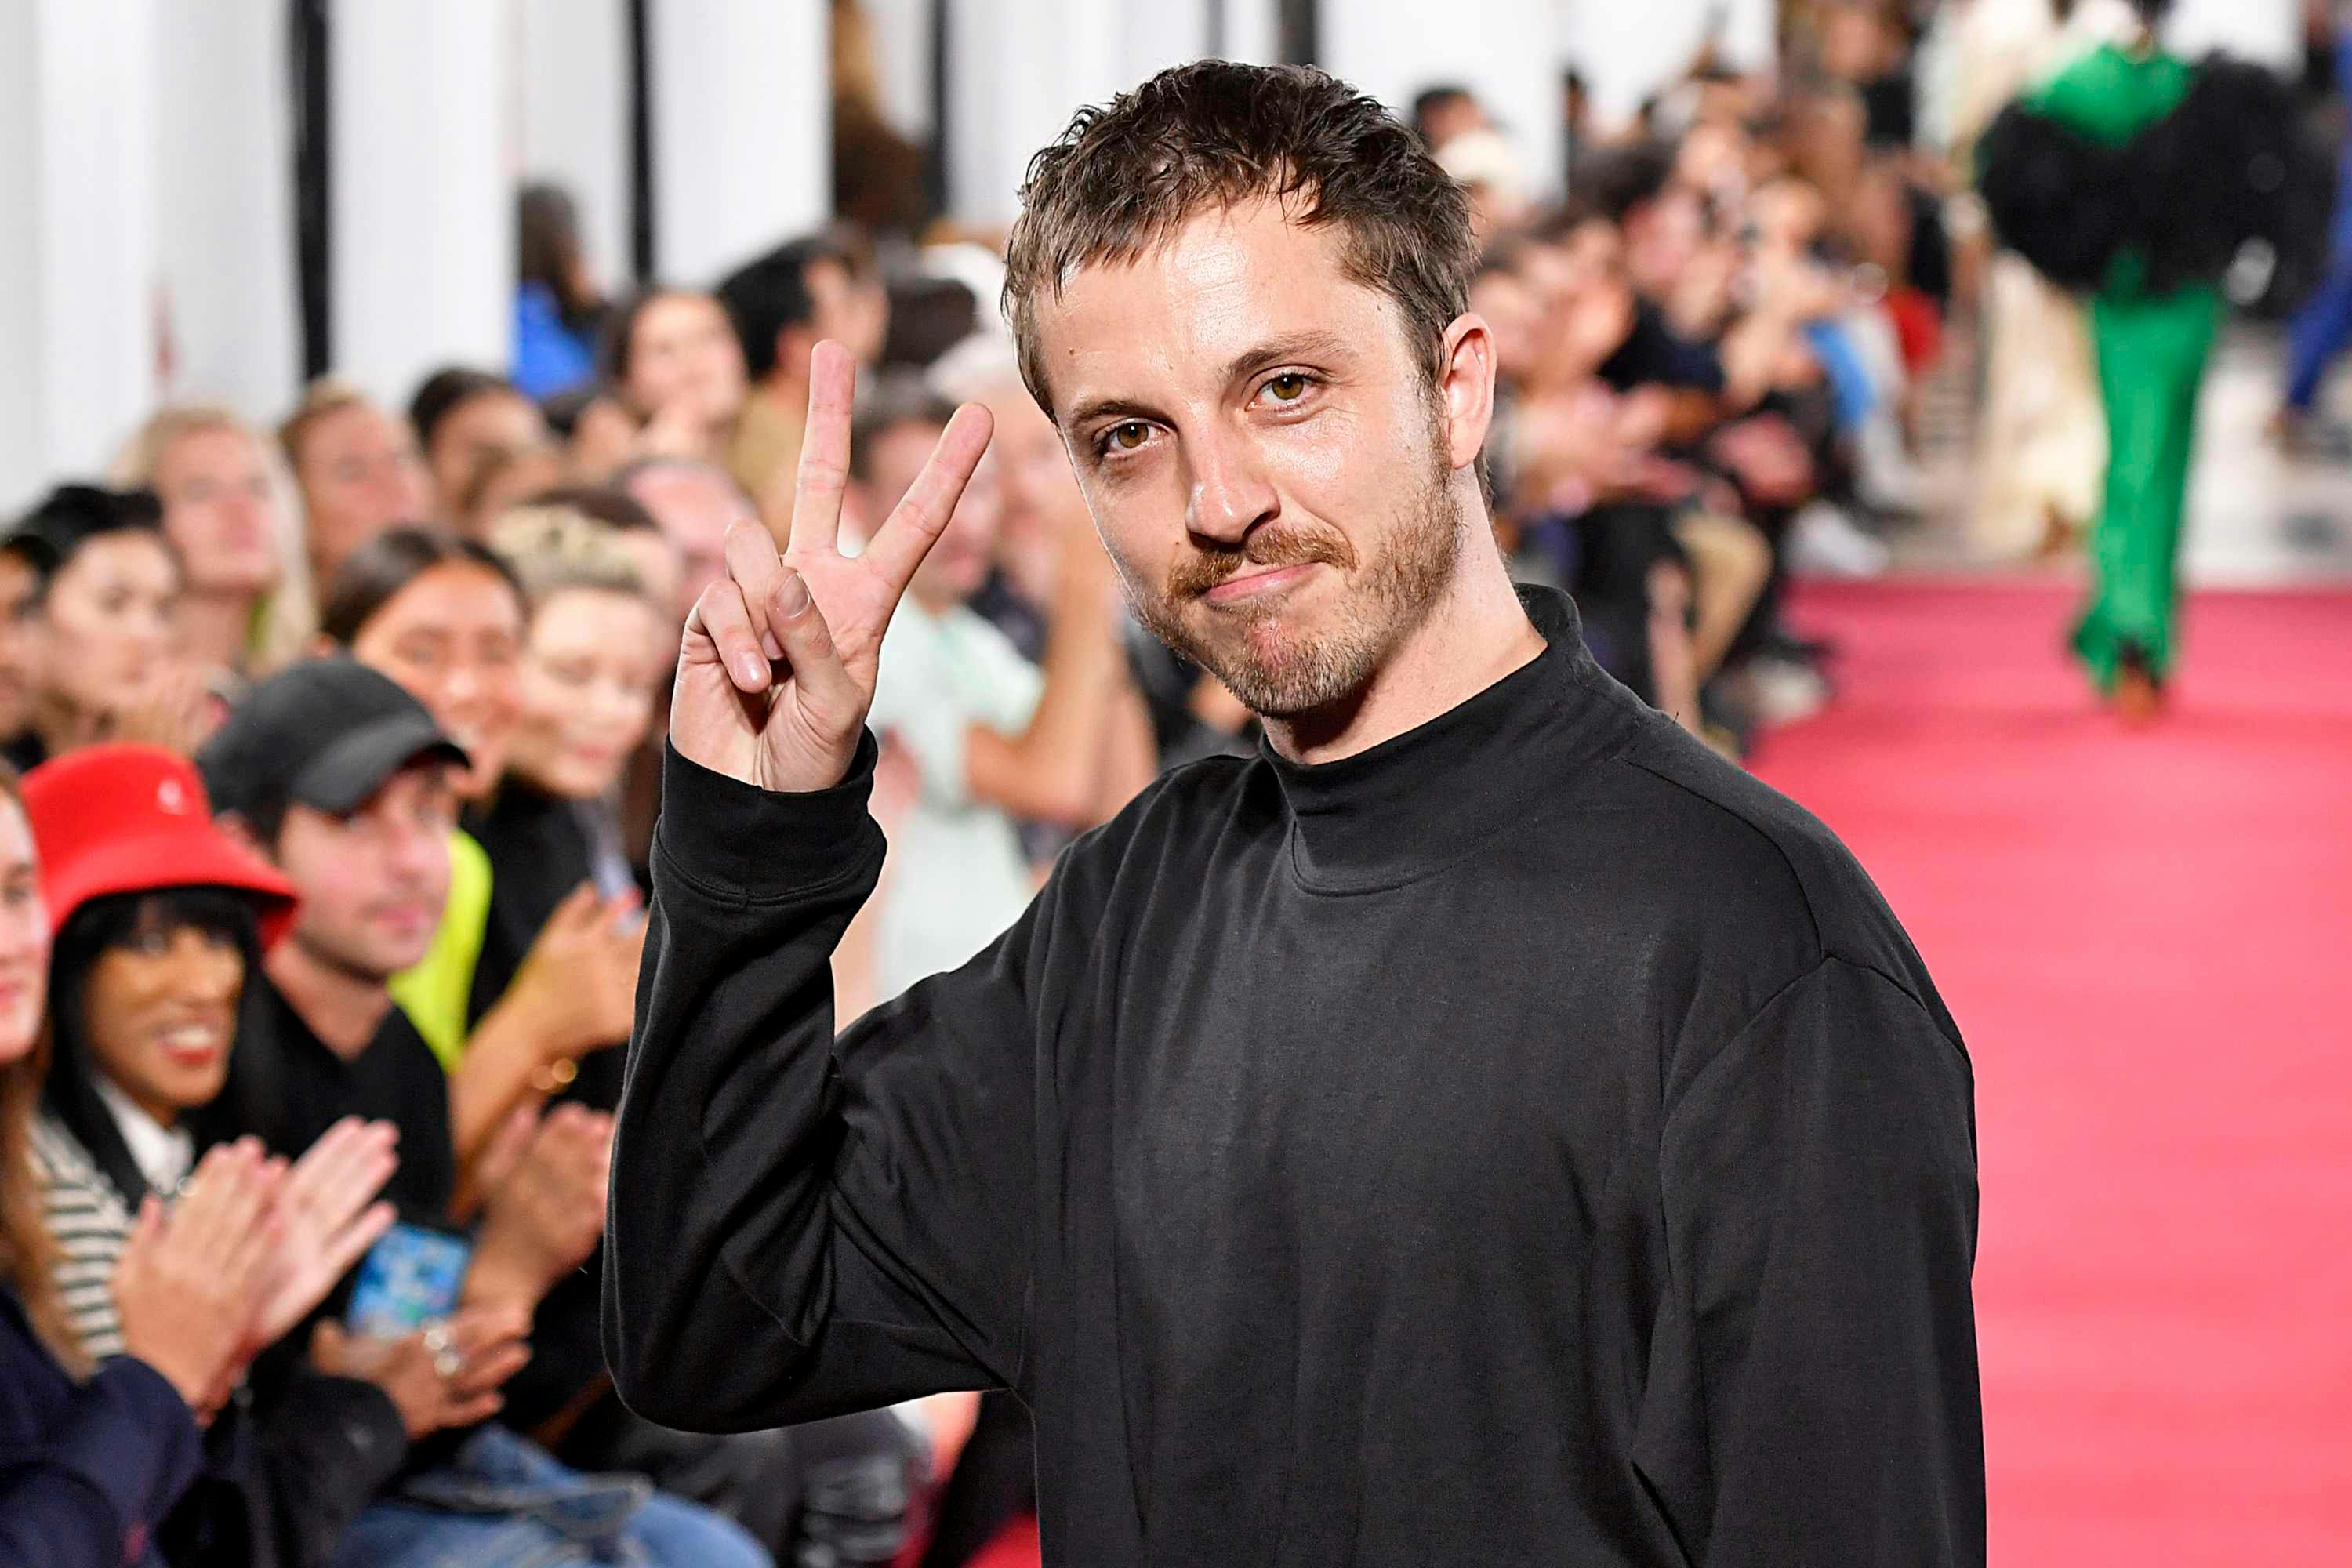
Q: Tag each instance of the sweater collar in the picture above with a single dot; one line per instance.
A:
(1419, 801)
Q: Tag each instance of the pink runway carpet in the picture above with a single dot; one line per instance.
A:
(2147, 938)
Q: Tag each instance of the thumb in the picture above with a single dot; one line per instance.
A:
(830, 699)
(328, 1342)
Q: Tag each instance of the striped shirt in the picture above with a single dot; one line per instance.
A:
(89, 1223)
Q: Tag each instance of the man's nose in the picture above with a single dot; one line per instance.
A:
(1230, 492)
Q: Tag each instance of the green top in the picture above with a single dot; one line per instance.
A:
(437, 993)
(2110, 96)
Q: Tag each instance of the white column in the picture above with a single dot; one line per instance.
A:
(225, 232)
(1020, 68)
(2270, 31)
(742, 129)
(422, 220)
(573, 66)
(1628, 52)
(901, 30)
(1252, 31)
(1510, 52)
(77, 274)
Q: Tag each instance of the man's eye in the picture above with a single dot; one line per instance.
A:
(1287, 387)
(1126, 437)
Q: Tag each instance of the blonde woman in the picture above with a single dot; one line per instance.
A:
(247, 608)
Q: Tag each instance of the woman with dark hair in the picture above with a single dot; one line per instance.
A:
(97, 1456)
(673, 384)
(157, 921)
(106, 586)
(558, 309)
(444, 617)
(469, 424)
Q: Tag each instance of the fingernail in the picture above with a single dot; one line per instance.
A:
(793, 598)
(749, 670)
(770, 645)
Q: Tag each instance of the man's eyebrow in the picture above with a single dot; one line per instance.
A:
(1313, 343)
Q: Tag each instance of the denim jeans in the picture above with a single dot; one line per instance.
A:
(503, 1503)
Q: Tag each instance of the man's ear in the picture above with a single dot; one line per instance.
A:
(1466, 386)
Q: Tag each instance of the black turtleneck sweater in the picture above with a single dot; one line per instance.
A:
(1530, 1141)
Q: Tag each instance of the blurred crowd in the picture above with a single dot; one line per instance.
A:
(320, 894)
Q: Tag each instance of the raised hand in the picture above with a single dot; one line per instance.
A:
(542, 1215)
(190, 1288)
(327, 1220)
(777, 668)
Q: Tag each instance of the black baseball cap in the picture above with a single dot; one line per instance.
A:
(326, 733)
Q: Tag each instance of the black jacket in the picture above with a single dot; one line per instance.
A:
(1529, 1140)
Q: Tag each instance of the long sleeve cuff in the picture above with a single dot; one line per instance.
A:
(735, 839)
(130, 1436)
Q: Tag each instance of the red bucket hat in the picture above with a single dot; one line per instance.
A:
(134, 819)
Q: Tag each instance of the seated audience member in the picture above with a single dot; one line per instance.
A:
(158, 921)
(782, 304)
(673, 384)
(992, 737)
(510, 479)
(99, 1455)
(558, 307)
(595, 653)
(645, 545)
(358, 470)
(343, 782)
(443, 617)
(100, 647)
(694, 503)
(470, 423)
(1442, 112)
(247, 608)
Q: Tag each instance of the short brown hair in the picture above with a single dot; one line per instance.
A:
(1122, 179)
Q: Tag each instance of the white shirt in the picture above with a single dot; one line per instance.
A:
(957, 877)
(164, 1155)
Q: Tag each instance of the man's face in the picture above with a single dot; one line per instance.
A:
(373, 882)
(696, 508)
(958, 564)
(1263, 451)
(360, 474)
(853, 312)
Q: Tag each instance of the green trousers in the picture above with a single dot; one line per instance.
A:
(2151, 353)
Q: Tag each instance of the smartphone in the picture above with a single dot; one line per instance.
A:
(409, 1279)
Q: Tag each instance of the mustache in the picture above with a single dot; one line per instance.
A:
(1203, 569)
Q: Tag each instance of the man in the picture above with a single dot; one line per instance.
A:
(993, 738)
(783, 303)
(695, 503)
(358, 468)
(1485, 1126)
(343, 781)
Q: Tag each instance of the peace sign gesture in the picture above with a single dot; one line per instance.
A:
(777, 669)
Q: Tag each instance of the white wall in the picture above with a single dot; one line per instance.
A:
(2266, 30)
(226, 235)
(573, 75)
(1628, 52)
(1508, 52)
(742, 129)
(423, 208)
(78, 271)
(1022, 68)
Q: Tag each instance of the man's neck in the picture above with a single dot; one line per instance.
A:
(1474, 636)
(213, 627)
(343, 1008)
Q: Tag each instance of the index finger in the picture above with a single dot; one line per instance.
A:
(823, 472)
(916, 523)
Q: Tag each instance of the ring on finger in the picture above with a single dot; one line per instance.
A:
(448, 1363)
